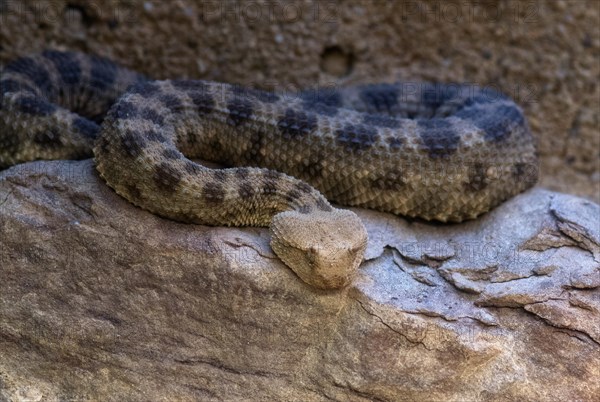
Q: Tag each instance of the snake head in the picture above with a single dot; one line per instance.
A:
(323, 248)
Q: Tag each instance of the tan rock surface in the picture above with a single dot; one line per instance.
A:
(543, 53)
(101, 300)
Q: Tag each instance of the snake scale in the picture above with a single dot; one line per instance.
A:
(432, 151)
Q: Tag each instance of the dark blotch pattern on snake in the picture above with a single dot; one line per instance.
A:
(432, 151)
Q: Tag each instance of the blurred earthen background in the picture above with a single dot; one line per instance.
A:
(546, 54)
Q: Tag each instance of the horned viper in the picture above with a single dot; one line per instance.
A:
(433, 151)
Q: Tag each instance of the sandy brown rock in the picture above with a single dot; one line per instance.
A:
(101, 300)
(542, 53)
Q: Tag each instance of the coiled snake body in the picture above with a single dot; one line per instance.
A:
(437, 152)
